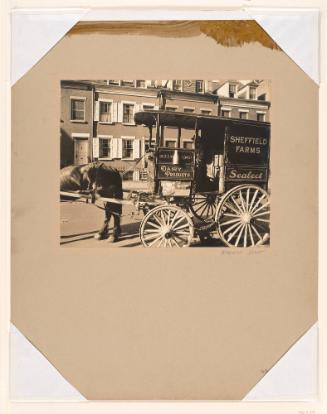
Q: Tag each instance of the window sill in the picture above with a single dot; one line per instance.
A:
(105, 123)
(128, 124)
(127, 159)
(104, 159)
(77, 121)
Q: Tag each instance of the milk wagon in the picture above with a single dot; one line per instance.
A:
(219, 185)
(216, 185)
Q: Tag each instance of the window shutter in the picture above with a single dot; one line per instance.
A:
(96, 110)
(120, 148)
(136, 149)
(119, 112)
(111, 148)
(114, 147)
(114, 112)
(95, 148)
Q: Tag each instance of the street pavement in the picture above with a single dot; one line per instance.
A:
(79, 222)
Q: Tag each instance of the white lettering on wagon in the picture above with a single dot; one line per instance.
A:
(249, 175)
(176, 172)
(248, 145)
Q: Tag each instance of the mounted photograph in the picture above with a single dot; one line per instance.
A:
(165, 163)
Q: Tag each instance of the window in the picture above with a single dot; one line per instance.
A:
(171, 108)
(260, 117)
(206, 111)
(232, 90)
(189, 110)
(253, 92)
(243, 115)
(128, 175)
(169, 143)
(77, 109)
(128, 113)
(140, 83)
(127, 83)
(199, 86)
(105, 112)
(104, 148)
(114, 82)
(127, 148)
(148, 107)
(177, 85)
(225, 113)
(188, 144)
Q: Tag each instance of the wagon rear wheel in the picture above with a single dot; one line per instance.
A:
(204, 205)
(243, 217)
(166, 226)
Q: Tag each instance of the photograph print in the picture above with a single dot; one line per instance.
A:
(165, 163)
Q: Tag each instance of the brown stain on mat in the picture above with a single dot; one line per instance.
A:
(225, 32)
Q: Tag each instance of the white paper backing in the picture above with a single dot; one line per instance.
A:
(33, 34)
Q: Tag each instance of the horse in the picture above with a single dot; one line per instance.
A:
(98, 180)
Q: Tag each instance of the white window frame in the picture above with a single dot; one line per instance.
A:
(199, 80)
(148, 104)
(111, 110)
(244, 111)
(262, 113)
(207, 110)
(127, 138)
(143, 87)
(189, 107)
(122, 113)
(77, 98)
(170, 140)
(109, 138)
(226, 109)
(255, 93)
(187, 141)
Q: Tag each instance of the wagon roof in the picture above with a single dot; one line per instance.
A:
(188, 121)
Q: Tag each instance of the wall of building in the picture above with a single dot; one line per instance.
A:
(108, 135)
(70, 128)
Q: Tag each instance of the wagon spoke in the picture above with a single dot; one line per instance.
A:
(245, 235)
(239, 235)
(174, 241)
(260, 208)
(150, 223)
(253, 199)
(258, 202)
(242, 200)
(256, 232)
(225, 223)
(183, 226)
(230, 236)
(228, 205)
(251, 235)
(263, 213)
(236, 204)
(263, 220)
(232, 227)
(247, 199)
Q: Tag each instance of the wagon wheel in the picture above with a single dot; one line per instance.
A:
(204, 206)
(243, 217)
(166, 226)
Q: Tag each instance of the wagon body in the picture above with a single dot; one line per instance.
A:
(237, 150)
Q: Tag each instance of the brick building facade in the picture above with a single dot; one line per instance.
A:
(97, 117)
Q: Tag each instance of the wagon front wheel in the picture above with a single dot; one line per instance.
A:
(166, 226)
(243, 217)
(204, 206)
